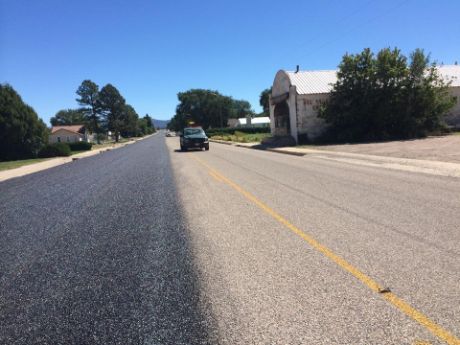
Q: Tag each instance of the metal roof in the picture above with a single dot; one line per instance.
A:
(450, 73)
(311, 82)
(314, 82)
(255, 120)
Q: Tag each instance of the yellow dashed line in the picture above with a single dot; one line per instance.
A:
(422, 319)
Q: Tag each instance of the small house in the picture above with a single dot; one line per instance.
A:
(68, 134)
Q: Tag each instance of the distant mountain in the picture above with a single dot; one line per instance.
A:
(160, 123)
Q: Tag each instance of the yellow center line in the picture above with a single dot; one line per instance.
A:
(214, 176)
(397, 302)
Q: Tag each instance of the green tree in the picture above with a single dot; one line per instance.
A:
(22, 132)
(241, 108)
(149, 121)
(142, 127)
(68, 117)
(88, 93)
(264, 101)
(113, 107)
(130, 120)
(382, 97)
(174, 123)
(206, 108)
(145, 125)
(426, 95)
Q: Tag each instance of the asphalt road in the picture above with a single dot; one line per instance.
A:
(150, 245)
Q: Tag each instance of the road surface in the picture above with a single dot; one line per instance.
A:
(149, 245)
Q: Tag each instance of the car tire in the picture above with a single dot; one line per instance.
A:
(182, 148)
(206, 147)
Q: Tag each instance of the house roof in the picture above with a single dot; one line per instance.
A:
(314, 82)
(74, 128)
(450, 73)
(311, 82)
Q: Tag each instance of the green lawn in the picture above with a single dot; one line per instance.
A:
(16, 164)
(76, 152)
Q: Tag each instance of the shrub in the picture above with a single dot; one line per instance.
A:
(385, 97)
(231, 131)
(80, 146)
(101, 137)
(55, 150)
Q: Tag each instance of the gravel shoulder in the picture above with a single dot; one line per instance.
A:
(442, 149)
(433, 156)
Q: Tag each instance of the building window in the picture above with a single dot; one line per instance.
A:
(58, 139)
(68, 140)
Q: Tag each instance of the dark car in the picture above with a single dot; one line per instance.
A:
(193, 137)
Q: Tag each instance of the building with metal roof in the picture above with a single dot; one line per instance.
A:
(297, 96)
(249, 122)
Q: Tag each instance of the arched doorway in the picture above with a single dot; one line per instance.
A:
(281, 115)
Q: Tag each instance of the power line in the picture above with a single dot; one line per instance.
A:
(341, 20)
(352, 29)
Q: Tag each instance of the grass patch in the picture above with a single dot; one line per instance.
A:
(16, 164)
(103, 145)
(77, 152)
(240, 137)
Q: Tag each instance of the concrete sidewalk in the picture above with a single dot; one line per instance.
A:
(405, 164)
(53, 162)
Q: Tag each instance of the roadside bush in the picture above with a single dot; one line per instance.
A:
(231, 131)
(55, 150)
(241, 137)
(101, 137)
(80, 146)
(386, 96)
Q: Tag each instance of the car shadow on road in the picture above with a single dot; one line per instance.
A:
(180, 151)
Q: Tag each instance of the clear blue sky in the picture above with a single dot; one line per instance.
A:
(151, 50)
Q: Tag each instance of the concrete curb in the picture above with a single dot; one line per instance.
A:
(292, 153)
(253, 146)
(54, 162)
(221, 142)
